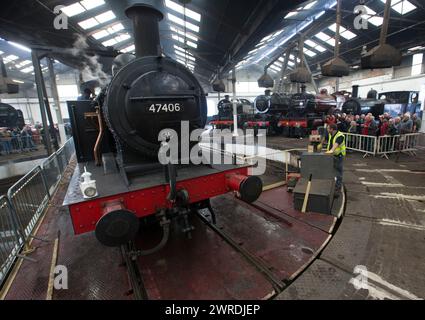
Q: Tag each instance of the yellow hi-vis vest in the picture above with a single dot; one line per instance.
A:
(341, 147)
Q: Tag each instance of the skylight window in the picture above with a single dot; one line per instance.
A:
(128, 49)
(106, 16)
(185, 34)
(416, 48)
(23, 63)
(180, 9)
(309, 52)
(181, 22)
(10, 58)
(182, 40)
(310, 5)
(80, 7)
(306, 7)
(322, 36)
(115, 40)
(376, 21)
(315, 46)
(176, 47)
(28, 69)
(73, 9)
(88, 24)
(110, 42)
(90, 4)
(291, 64)
(273, 67)
(184, 55)
(347, 34)
(101, 18)
(417, 64)
(19, 46)
(402, 6)
(108, 31)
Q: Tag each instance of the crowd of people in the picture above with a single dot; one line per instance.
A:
(367, 124)
(14, 140)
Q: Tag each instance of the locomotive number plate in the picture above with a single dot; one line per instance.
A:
(164, 108)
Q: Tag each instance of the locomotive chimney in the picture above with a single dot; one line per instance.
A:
(145, 29)
(355, 91)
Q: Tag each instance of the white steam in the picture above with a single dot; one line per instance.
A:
(92, 68)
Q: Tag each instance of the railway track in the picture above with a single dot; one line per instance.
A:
(227, 256)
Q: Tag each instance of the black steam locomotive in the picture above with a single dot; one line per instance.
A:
(392, 102)
(291, 115)
(11, 117)
(224, 117)
(143, 109)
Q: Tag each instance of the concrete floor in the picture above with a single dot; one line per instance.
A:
(377, 251)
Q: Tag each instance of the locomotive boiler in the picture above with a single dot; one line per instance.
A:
(11, 117)
(269, 110)
(151, 102)
(224, 117)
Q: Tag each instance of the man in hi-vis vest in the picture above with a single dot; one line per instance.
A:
(336, 147)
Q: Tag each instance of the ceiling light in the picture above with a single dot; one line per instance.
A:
(17, 81)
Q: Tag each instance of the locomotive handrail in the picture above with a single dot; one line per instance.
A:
(25, 204)
(161, 97)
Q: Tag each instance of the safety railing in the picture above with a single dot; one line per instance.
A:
(382, 145)
(361, 143)
(399, 143)
(25, 203)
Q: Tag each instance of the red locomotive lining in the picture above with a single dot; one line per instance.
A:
(298, 123)
(257, 123)
(293, 123)
(148, 201)
(221, 122)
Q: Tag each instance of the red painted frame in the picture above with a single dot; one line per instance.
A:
(148, 201)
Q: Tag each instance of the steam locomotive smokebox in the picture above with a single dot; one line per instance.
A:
(319, 165)
(382, 56)
(320, 198)
(335, 68)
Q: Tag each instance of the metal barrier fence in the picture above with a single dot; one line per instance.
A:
(361, 143)
(25, 203)
(382, 145)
